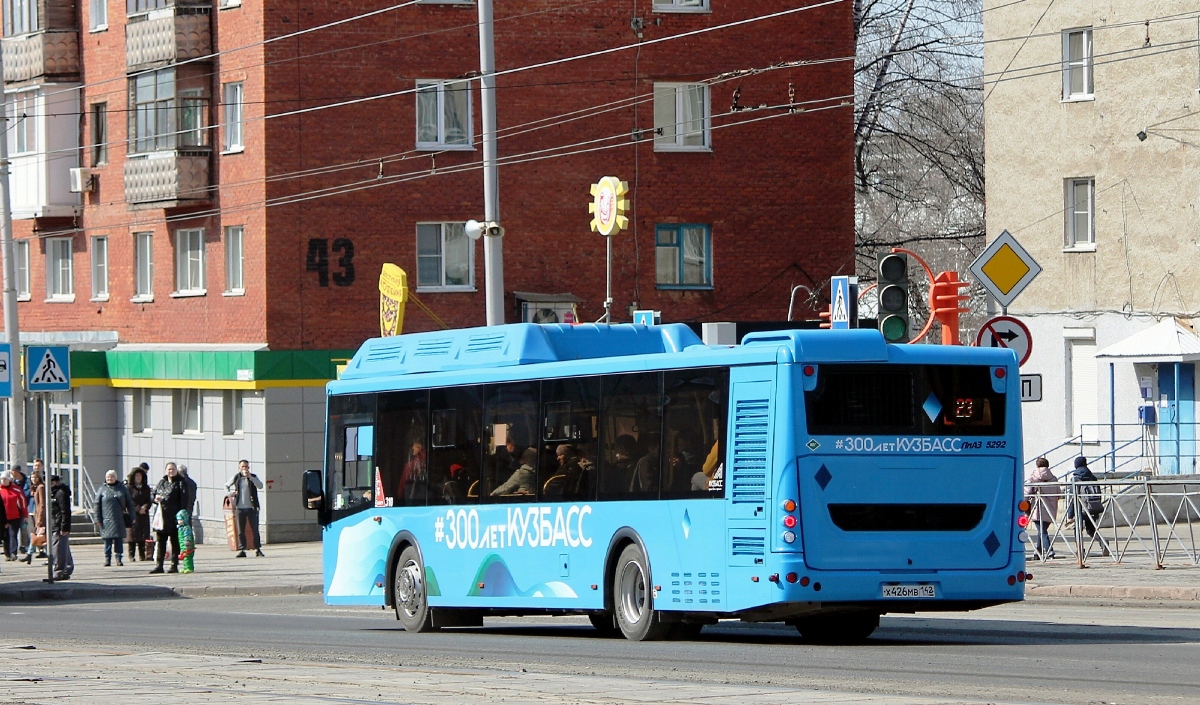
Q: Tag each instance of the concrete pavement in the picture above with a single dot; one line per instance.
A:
(291, 569)
(36, 676)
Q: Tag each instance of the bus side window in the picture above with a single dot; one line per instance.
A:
(401, 446)
(694, 418)
(570, 408)
(631, 433)
(454, 458)
(510, 468)
(351, 453)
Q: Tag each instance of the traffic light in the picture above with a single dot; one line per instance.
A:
(946, 303)
(893, 297)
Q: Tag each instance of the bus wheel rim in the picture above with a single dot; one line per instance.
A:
(633, 592)
(409, 588)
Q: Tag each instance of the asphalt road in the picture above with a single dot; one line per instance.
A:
(1043, 651)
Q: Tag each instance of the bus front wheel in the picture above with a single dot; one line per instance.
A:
(850, 628)
(412, 602)
(633, 599)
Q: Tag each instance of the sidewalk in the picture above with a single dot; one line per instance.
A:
(295, 569)
(287, 569)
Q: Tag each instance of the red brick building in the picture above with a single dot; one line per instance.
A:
(220, 200)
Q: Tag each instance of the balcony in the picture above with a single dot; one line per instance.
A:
(167, 179)
(161, 39)
(51, 56)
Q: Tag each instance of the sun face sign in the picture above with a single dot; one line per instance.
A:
(609, 206)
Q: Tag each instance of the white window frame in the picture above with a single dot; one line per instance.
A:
(441, 258)
(142, 416)
(1086, 65)
(677, 142)
(22, 131)
(1073, 242)
(98, 15)
(233, 98)
(21, 17)
(227, 4)
(60, 270)
(143, 268)
(681, 6)
(233, 405)
(235, 260)
(99, 252)
(189, 262)
(21, 248)
(441, 143)
(183, 403)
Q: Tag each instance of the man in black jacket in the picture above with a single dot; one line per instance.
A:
(60, 528)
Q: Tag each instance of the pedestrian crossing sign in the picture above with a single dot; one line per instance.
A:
(49, 368)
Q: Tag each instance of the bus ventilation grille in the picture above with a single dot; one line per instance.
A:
(430, 348)
(748, 545)
(485, 343)
(384, 352)
(750, 426)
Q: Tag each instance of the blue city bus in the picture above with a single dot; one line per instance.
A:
(656, 484)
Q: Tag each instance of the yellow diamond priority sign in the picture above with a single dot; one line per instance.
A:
(1005, 268)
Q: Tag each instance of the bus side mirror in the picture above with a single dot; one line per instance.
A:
(313, 490)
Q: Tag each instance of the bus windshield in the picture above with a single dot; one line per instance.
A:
(921, 400)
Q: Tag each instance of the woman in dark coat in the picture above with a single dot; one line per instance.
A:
(170, 494)
(113, 506)
(139, 532)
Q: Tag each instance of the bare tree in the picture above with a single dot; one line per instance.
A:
(918, 130)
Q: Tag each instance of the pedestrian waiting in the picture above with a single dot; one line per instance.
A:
(60, 528)
(170, 495)
(142, 498)
(15, 511)
(243, 489)
(113, 515)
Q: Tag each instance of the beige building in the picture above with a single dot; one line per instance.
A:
(1092, 125)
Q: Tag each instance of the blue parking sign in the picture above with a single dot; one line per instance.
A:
(5, 370)
(49, 368)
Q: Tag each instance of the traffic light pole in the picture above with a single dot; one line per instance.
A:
(12, 331)
(493, 253)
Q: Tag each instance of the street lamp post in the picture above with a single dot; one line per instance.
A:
(493, 254)
(12, 335)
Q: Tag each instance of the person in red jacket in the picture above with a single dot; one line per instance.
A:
(16, 511)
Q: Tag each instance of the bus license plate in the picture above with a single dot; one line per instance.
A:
(909, 591)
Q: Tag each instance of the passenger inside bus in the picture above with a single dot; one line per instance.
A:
(684, 462)
(453, 491)
(414, 476)
(645, 473)
(523, 479)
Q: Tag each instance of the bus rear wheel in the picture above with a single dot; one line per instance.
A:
(412, 601)
(633, 599)
(848, 628)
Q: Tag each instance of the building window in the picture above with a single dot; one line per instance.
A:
(683, 256)
(234, 281)
(161, 120)
(1080, 210)
(143, 270)
(445, 257)
(230, 3)
(233, 404)
(21, 248)
(100, 269)
(20, 17)
(133, 7)
(141, 411)
(681, 118)
(99, 134)
(98, 16)
(186, 406)
(233, 117)
(21, 115)
(443, 115)
(60, 285)
(1077, 64)
(680, 5)
(189, 262)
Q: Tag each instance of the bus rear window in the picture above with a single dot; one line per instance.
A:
(919, 400)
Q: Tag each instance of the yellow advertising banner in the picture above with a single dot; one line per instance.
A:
(393, 294)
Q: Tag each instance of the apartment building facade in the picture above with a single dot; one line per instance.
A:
(205, 192)
(1090, 121)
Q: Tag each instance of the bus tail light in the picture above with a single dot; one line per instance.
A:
(789, 521)
(804, 581)
(1024, 506)
(789, 505)
(1023, 521)
(1012, 580)
(792, 577)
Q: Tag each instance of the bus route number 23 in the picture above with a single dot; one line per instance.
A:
(318, 260)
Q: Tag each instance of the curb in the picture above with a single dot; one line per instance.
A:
(1116, 592)
(87, 593)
